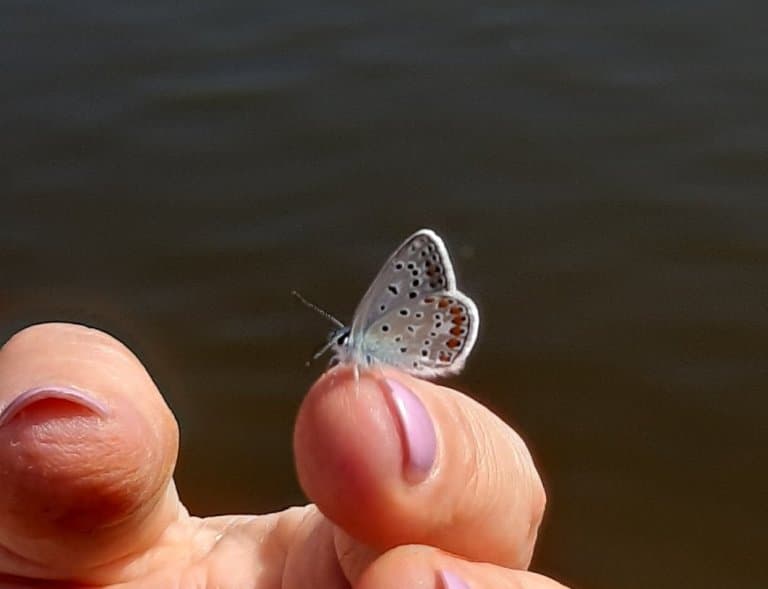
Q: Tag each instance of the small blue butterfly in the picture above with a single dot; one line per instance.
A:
(412, 317)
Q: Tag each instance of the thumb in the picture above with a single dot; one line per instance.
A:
(87, 449)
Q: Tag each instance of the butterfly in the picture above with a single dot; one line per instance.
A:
(412, 317)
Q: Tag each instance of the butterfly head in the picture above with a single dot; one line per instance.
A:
(339, 338)
(338, 342)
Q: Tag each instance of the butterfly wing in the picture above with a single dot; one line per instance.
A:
(431, 336)
(414, 300)
(418, 266)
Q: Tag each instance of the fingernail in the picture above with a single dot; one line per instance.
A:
(32, 396)
(451, 580)
(419, 438)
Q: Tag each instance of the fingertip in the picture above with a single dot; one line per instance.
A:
(403, 566)
(396, 460)
(87, 445)
(364, 448)
(431, 568)
(343, 445)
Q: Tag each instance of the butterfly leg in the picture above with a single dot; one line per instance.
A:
(378, 368)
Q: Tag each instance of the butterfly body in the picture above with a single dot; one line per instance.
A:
(412, 317)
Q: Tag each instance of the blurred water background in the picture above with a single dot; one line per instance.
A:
(170, 171)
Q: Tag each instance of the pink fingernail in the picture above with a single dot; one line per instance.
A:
(32, 396)
(451, 580)
(419, 438)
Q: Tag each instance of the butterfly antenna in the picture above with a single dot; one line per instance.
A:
(317, 309)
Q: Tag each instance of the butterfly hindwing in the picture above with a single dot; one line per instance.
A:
(431, 336)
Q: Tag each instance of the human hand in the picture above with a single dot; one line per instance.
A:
(414, 489)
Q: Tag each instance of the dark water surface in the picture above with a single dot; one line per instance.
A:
(170, 171)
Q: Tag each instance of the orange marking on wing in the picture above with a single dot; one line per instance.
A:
(453, 343)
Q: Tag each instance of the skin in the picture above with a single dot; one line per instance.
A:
(89, 500)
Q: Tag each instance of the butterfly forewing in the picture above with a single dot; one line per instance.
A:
(418, 267)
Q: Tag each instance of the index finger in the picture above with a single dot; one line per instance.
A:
(396, 460)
